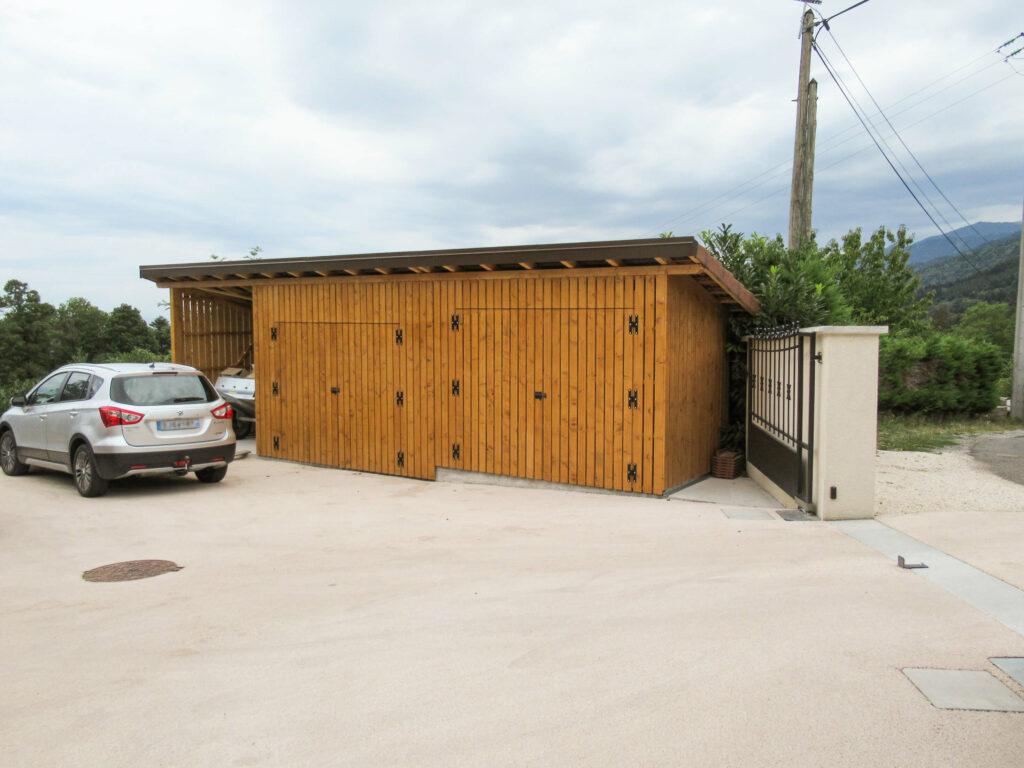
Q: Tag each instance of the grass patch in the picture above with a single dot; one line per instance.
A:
(929, 433)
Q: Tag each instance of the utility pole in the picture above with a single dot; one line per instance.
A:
(1017, 390)
(803, 145)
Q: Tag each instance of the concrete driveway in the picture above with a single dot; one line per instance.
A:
(329, 618)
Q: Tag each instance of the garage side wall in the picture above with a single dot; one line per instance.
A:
(696, 371)
(210, 333)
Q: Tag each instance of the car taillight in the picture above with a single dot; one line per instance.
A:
(113, 417)
(223, 412)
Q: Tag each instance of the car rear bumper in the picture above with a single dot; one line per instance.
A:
(112, 466)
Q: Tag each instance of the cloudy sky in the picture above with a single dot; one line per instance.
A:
(138, 133)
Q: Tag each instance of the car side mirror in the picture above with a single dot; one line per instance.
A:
(18, 400)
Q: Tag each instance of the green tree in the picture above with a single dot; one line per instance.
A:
(793, 286)
(126, 331)
(161, 333)
(993, 323)
(27, 334)
(80, 327)
(876, 281)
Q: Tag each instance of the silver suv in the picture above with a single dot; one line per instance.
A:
(104, 422)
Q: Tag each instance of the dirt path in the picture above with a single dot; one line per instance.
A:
(955, 501)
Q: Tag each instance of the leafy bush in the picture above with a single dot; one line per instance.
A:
(137, 355)
(9, 390)
(938, 373)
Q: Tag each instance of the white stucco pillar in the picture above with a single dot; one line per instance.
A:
(846, 421)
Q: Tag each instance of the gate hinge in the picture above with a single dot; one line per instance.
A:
(401, 458)
(398, 336)
(274, 388)
(818, 357)
(634, 324)
(455, 322)
(455, 451)
(631, 473)
(277, 442)
(399, 398)
(455, 387)
(632, 400)
(273, 333)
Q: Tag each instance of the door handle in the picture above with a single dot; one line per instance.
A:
(73, 414)
(335, 390)
(540, 395)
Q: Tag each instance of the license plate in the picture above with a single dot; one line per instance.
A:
(172, 424)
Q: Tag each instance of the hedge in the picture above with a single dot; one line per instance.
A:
(938, 373)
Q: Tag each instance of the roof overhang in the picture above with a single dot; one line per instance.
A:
(673, 255)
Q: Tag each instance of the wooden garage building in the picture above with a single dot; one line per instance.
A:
(598, 364)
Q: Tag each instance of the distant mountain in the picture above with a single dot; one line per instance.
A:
(957, 285)
(966, 238)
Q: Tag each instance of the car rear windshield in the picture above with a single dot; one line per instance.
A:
(161, 389)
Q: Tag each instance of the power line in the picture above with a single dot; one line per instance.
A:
(824, 147)
(900, 138)
(843, 91)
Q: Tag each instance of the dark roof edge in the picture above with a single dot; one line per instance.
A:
(456, 256)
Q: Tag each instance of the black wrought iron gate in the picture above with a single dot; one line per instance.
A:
(780, 407)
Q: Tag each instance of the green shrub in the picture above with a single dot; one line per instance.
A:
(137, 355)
(7, 391)
(938, 373)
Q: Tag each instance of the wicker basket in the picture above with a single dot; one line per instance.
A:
(727, 464)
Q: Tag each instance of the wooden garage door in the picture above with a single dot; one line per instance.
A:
(348, 393)
(549, 380)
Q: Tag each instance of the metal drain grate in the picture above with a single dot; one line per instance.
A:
(130, 570)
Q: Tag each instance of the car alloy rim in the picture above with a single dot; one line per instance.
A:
(83, 471)
(7, 453)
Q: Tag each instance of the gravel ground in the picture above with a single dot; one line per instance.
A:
(956, 503)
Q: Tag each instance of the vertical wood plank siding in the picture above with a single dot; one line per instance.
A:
(210, 333)
(695, 380)
(528, 375)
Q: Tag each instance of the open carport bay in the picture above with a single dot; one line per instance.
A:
(325, 617)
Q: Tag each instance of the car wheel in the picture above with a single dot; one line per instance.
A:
(211, 474)
(87, 478)
(9, 455)
(242, 428)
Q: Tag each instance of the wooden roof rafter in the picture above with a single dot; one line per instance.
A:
(673, 256)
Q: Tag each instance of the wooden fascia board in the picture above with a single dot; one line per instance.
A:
(725, 280)
(508, 274)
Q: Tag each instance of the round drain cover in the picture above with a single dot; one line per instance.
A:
(132, 569)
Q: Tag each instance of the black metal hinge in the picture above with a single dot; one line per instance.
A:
(455, 322)
(455, 451)
(277, 442)
(634, 324)
(273, 334)
(631, 473)
(401, 459)
(632, 399)
(398, 336)
(274, 388)
(399, 398)
(455, 387)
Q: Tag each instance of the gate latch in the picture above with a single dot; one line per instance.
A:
(455, 387)
(539, 395)
(632, 400)
(634, 324)
(631, 473)
(399, 398)
(274, 388)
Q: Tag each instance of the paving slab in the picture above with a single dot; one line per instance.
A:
(748, 513)
(741, 492)
(995, 597)
(1014, 667)
(965, 689)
